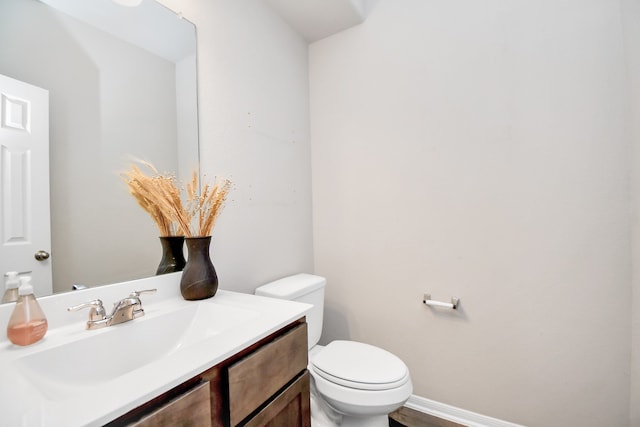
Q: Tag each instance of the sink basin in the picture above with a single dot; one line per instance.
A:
(103, 355)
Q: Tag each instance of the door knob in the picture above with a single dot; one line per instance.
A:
(41, 255)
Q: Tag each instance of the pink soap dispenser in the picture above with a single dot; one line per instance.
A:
(27, 324)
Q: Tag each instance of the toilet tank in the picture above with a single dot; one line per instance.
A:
(305, 288)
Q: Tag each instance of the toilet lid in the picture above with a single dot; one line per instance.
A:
(361, 366)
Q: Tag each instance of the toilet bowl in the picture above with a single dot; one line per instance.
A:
(361, 383)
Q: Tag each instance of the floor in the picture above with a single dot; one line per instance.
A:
(405, 417)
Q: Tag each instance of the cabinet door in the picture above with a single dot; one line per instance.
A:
(256, 378)
(189, 409)
(290, 409)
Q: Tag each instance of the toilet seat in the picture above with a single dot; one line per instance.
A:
(360, 366)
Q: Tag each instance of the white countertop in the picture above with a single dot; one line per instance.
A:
(27, 399)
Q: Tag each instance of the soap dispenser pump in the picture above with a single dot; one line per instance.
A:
(27, 324)
(11, 287)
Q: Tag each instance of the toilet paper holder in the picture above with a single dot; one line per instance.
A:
(426, 299)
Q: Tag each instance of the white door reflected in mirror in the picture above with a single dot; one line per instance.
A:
(24, 182)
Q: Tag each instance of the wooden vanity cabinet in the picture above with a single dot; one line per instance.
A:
(267, 384)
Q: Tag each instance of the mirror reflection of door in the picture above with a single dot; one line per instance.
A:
(25, 233)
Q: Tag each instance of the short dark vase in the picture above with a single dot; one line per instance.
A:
(172, 254)
(199, 278)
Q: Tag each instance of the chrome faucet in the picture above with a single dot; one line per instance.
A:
(124, 310)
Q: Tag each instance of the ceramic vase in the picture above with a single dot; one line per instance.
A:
(172, 254)
(199, 278)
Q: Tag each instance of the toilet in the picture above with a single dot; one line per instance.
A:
(352, 381)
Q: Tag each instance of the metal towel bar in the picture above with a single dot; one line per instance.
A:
(453, 304)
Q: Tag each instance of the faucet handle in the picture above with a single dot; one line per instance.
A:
(135, 294)
(97, 309)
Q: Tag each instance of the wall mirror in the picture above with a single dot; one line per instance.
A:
(122, 85)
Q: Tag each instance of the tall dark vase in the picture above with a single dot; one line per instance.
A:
(199, 278)
(172, 254)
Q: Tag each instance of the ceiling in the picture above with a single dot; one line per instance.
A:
(317, 19)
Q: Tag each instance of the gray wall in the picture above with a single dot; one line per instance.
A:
(254, 128)
(631, 15)
(481, 149)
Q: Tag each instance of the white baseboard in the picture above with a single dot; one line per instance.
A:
(457, 415)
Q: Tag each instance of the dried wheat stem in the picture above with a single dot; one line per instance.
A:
(160, 197)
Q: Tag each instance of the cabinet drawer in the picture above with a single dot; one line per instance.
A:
(257, 377)
(193, 408)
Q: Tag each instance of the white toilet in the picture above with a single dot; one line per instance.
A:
(360, 382)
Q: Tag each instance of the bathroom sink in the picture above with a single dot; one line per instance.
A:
(106, 354)
(85, 377)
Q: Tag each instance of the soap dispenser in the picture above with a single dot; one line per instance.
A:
(27, 324)
(11, 287)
